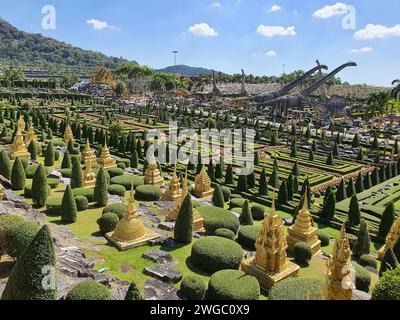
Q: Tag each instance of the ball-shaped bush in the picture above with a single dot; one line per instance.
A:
(324, 237)
(367, 260)
(225, 233)
(363, 278)
(115, 172)
(127, 180)
(53, 182)
(247, 236)
(212, 254)
(19, 236)
(66, 173)
(302, 252)
(89, 290)
(121, 165)
(193, 288)
(227, 194)
(88, 193)
(117, 190)
(148, 193)
(257, 212)
(82, 203)
(233, 285)
(216, 218)
(108, 222)
(118, 208)
(236, 203)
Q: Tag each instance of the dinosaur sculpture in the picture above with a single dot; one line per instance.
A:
(286, 89)
(297, 100)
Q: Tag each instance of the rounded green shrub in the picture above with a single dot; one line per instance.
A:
(30, 170)
(227, 194)
(121, 165)
(296, 289)
(53, 182)
(233, 285)
(212, 254)
(388, 287)
(116, 189)
(118, 208)
(88, 193)
(127, 181)
(367, 260)
(19, 236)
(257, 212)
(82, 203)
(89, 290)
(302, 252)
(115, 172)
(7, 222)
(28, 191)
(216, 218)
(127, 162)
(363, 278)
(324, 237)
(53, 206)
(225, 233)
(108, 222)
(236, 203)
(193, 288)
(148, 193)
(18, 176)
(247, 236)
(66, 173)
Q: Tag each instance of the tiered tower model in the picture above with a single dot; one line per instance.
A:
(31, 136)
(202, 187)
(130, 231)
(88, 153)
(68, 135)
(105, 160)
(152, 175)
(391, 239)
(90, 176)
(340, 273)
(18, 147)
(198, 221)
(270, 264)
(174, 190)
(303, 231)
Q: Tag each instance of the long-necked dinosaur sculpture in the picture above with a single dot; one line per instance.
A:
(297, 100)
(286, 89)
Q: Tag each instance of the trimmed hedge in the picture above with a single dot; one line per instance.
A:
(212, 254)
(324, 237)
(7, 222)
(82, 203)
(127, 181)
(296, 289)
(233, 285)
(28, 191)
(53, 206)
(30, 170)
(108, 222)
(53, 182)
(225, 233)
(66, 173)
(193, 288)
(116, 189)
(367, 260)
(216, 218)
(89, 290)
(227, 193)
(247, 236)
(88, 193)
(302, 252)
(148, 193)
(115, 172)
(117, 208)
(236, 203)
(18, 237)
(363, 278)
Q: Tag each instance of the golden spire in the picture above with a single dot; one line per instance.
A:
(131, 212)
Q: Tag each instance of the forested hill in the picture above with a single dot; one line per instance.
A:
(28, 50)
(186, 70)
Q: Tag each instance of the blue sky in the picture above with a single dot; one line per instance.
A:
(227, 35)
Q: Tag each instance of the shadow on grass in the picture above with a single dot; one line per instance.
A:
(196, 270)
(300, 264)
(97, 234)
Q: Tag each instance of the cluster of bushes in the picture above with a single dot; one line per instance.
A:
(247, 236)
(217, 218)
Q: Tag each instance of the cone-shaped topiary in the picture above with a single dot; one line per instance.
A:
(387, 219)
(32, 149)
(39, 187)
(389, 261)
(18, 176)
(246, 217)
(263, 184)
(218, 197)
(66, 161)
(363, 243)
(328, 210)
(49, 156)
(100, 190)
(341, 193)
(5, 165)
(76, 174)
(330, 161)
(274, 179)
(251, 180)
(354, 211)
(351, 188)
(183, 231)
(229, 175)
(133, 293)
(134, 159)
(242, 183)
(68, 207)
(367, 181)
(283, 194)
(360, 183)
(34, 275)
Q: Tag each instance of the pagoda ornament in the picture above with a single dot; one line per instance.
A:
(202, 187)
(31, 136)
(21, 123)
(90, 176)
(88, 153)
(130, 231)
(391, 239)
(303, 231)
(270, 263)
(18, 147)
(105, 159)
(174, 190)
(68, 135)
(152, 175)
(340, 275)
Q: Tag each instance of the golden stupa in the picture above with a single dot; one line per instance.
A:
(174, 190)
(391, 239)
(90, 176)
(68, 135)
(18, 147)
(198, 221)
(270, 264)
(152, 175)
(31, 136)
(21, 123)
(303, 231)
(88, 153)
(340, 275)
(202, 187)
(130, 231)
(105, 160)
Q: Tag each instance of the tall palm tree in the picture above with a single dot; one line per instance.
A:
(396, 90)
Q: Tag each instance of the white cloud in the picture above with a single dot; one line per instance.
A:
(327, 12)
(373, 31)
(202, 30)
(271, 31)
(270, 54)
(362, 50)
(275, 8)
(216, 5)
(99, 25)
